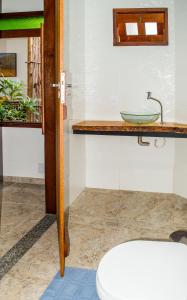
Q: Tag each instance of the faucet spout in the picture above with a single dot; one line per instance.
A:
(149, 97)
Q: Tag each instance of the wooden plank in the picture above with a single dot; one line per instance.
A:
(26, 14)
(140, 10)
(21, 124)
(59, 31)
(145, 17)
(49, 105)
(29, 68)
(19, 33)
(119, 127)
(34, 68)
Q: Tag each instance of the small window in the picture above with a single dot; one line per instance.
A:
(131, 28)
(140, 26)
(151, 28)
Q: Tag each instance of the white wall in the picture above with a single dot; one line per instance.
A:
(2, 45)
(21, 5)
(117, 78)
(23, 148)
(76, 95)
(23, 152)
(181, 98)
(20, 47)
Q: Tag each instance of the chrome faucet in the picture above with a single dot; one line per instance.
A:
(149, 97)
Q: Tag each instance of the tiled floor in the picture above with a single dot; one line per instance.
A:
(99, 220)
(21, 207)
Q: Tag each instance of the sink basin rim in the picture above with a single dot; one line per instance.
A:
(140, 119)
(139, 114)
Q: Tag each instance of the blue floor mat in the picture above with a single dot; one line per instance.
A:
(77, 284)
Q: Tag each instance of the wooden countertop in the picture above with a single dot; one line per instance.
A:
(123, 128)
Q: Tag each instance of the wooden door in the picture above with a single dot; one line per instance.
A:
(60, 108)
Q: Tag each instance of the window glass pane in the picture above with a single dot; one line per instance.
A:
(151, 28)
(132, 28)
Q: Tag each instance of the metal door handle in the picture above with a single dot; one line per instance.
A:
(61, 87)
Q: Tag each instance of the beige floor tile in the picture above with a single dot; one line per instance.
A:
(99, 220)
(22, 207)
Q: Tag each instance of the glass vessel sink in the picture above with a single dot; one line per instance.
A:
(140, 118)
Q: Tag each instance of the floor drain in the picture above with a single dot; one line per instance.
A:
(177, 236)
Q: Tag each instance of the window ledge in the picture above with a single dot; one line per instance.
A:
(21, 124)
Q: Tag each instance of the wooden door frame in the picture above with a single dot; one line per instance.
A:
(49, 106)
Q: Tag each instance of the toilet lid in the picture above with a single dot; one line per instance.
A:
(144, 270)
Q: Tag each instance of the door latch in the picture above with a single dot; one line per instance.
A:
(61, 86)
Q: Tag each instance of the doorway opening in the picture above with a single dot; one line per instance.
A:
(28, 179)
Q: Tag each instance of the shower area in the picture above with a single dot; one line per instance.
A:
(120, 190)
(116, 190)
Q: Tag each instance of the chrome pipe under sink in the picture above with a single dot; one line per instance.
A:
(141, 142)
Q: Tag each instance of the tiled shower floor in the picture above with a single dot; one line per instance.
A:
(99, 220)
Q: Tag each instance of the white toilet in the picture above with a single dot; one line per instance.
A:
(143, 270)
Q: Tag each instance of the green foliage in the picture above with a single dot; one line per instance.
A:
(10, 113)
(10, 92)
(28, 105)
(2, 112)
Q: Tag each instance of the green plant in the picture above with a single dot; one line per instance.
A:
(2, 112)
(11, 90)
(10, 113)
(27, 105)
(14, 104)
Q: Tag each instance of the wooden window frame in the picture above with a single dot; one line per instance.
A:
(21, 33)
(134, 41)
(21, 124)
